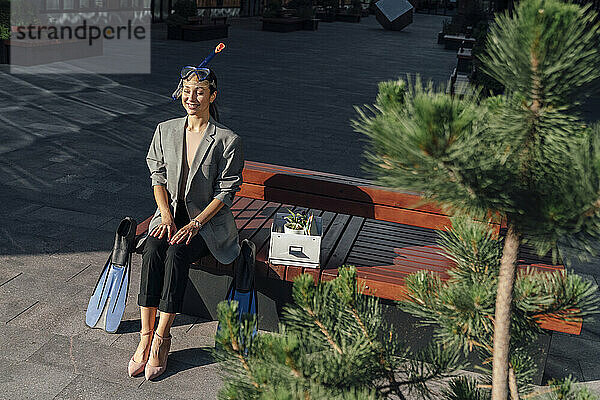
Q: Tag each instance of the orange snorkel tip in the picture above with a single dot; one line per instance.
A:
(219, 47)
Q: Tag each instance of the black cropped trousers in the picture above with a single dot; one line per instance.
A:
(165, 268)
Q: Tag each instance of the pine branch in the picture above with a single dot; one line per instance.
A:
(323, 330)
(289, 361)
(236, 348)
(455, 176)
(382, 360)
(593, 209)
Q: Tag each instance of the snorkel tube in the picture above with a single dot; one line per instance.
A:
(203, 64)
(217, 49)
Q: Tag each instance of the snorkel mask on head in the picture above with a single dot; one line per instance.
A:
(201, 72)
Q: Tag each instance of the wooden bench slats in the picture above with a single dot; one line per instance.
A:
(401, 232)
(391, 244)
(367, 239)
(432, 252)
(387, 254)
(352, 260)
(239, 205)
(400, 228)
(345, 243)
(264, 215)
(555, 324)
(367, 245)
(332, 236)
(244, 217)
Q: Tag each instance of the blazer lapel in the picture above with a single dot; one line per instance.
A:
(178, 132)
(201, 152)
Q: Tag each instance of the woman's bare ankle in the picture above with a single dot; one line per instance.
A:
(143, 349)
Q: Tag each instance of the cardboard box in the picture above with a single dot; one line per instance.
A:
(295, 249)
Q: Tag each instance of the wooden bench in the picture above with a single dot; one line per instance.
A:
(454, 42)
(284, 25)
(207, 20)
(386, 234)
(204, 28)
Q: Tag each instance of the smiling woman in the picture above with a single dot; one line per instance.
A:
(196, 168)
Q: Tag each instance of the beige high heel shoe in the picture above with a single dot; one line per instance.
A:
(159, 352)
(135, 368)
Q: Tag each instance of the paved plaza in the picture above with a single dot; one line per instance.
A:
(72, 164)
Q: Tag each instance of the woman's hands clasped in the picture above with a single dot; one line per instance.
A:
(175, 236)
(167, 226)
(185, 234)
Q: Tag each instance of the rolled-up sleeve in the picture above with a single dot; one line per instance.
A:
(156, 160)
(229, 178)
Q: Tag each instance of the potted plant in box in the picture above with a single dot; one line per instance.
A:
(298, 223)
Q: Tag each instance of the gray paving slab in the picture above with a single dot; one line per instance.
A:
(11, 306)
(7, 275)
(30, 380)
(11, 242)
(112, 201)
(590, 370)
(74, 218)
(560, 367)
(183, 380)
(18, 344)
(46, 273)
(62, 312)
(38, 125)
(87, 388)
(76, 356)
(591, 329)
(566, 346)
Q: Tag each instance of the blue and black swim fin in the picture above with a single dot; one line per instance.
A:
(242, 287)
(107, 304)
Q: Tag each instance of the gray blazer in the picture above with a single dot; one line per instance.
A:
(216, 172)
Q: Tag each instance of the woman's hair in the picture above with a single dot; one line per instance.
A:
(212, 85)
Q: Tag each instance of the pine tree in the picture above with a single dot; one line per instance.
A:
(462, 308)
(525, 155)
(333, 343)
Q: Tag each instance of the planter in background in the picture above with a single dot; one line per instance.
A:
(197, 33)
(325, 16)
(310, 24)
(282, 24)
(355, 18)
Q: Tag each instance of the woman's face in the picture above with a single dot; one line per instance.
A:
(196, 97)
